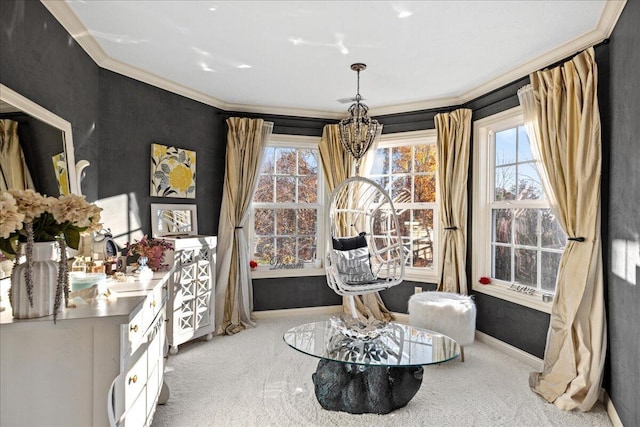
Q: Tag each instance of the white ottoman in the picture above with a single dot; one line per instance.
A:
(450, 314)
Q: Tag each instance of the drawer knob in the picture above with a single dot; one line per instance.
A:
(134, 328)
(133, 379)
(153, 303)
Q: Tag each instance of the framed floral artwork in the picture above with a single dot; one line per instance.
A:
(173, 172)
(62, 175)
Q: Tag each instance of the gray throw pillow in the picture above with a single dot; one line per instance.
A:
(353, 266)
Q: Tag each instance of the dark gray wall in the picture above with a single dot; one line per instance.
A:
(133, 115)
(621, 135)
(42, 62)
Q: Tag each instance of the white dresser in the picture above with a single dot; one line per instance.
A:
(101, 364)
(190, 306)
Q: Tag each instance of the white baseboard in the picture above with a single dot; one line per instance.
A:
(512, 351)
(293, 312)
(611, 410)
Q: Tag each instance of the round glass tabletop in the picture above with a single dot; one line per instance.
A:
(392, 345)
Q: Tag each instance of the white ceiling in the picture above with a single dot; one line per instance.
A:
(294, 56)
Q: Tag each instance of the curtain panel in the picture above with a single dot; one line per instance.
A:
(246, 142)
(338, 165)
(563, 122)
(14, 174)
(452, 157)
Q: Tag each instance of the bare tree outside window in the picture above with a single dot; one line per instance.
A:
(285, 207)
(408, 174)
(527, 241)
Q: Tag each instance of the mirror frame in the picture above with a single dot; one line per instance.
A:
(46, 116)
(156, 207)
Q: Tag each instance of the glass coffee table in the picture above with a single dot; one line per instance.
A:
(372, 369)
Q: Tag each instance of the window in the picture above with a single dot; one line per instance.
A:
(405, 166)
(517, 240)
(286, 207)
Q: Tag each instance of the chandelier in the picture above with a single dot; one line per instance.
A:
(358, 131)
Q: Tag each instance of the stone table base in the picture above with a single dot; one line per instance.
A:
(359, 389)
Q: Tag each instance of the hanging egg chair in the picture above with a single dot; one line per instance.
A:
(365, 250)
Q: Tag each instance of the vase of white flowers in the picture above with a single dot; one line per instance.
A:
(36, 230)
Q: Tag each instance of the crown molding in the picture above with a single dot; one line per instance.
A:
(64, 14)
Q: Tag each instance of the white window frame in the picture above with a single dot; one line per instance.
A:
(483, 169)
(419, 274)
(295, 141)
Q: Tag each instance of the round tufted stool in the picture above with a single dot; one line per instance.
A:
(450, 314)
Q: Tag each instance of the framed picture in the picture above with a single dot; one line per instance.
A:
(173, 172)
(62, 175)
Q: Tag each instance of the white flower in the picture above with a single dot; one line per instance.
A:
(75, 210)
(10, 219)
(31, 204)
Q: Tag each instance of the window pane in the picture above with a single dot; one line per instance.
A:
(506, 147)
(404, 218)
(285, 189)
(501, 268)
(308, 189)
(263, 221)
(425, 188)
(307, 222)
(550, 264)
(264, 250)
(552, 234)
(401, 159)
(306, 249)
(286, 161)
(383, 181)
(526, 263)
(380, 162)
(285, 221)
(526, 227)
(269, 162)
(286, 249)
(307, 162)
(501, 225)
(399, 185)
(529, 183)
(421, 235)
(505, 183)
(264, 190)
(524, 149)
(425, 158)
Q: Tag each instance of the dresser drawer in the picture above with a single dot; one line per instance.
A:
(137, 412)
(135, 332)
(135, 379)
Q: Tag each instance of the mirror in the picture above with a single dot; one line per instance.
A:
(173, 220)
(47, 135)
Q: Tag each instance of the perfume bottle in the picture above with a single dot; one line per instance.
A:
(78, 265)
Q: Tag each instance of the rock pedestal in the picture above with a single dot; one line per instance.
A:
(359, 389)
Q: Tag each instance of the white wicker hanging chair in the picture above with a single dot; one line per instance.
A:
(364, 248)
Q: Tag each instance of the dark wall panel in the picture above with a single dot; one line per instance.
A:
(42, 62)
(293, 292)
(133, 115)
(621, 136)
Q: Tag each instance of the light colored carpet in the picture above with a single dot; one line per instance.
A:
(255, 379)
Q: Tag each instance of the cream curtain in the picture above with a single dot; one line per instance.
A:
(14, 172)
(452, 157)
(563, 121)
(338, 165)
(246, 140)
